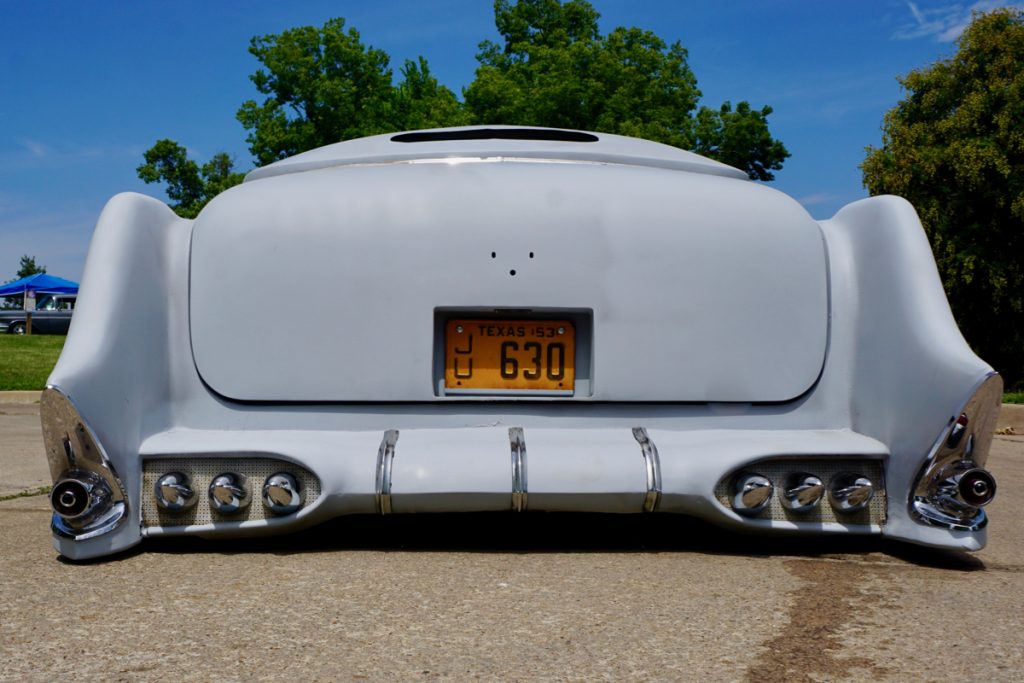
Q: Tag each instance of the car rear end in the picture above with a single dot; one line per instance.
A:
(506, 323)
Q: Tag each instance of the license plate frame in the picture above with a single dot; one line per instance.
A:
(509, 356)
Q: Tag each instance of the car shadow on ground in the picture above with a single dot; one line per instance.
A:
(539, 532)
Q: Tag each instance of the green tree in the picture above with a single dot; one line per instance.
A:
(324, 86)
(740, 138)
(954, 147)
(420, 101)
(556, 69)
(27, 266)
(189, 186)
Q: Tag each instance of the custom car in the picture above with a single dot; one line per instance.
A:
(516, 319)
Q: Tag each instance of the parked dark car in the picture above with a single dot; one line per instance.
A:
(52, 316)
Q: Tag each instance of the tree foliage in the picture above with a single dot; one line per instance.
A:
(189, 186)
(324, 86)
(27, 266)
(954, 147)
(556, 69)
(420, 101)
(740, 138)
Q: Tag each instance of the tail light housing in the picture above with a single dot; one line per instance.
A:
(953, 486)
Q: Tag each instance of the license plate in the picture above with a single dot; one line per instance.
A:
(510, 355)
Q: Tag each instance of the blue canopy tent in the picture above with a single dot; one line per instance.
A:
(40, 283)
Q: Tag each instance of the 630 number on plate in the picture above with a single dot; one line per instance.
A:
(510, 355)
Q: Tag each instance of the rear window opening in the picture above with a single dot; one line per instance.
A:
(550, 134)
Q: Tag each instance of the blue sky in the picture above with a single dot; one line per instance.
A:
(87, 87)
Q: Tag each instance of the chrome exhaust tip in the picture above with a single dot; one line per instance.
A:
(80, 496)
(976, 487)
(956, 495)
(69, 498)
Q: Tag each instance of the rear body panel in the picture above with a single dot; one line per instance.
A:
(298, 325)
(700, 288)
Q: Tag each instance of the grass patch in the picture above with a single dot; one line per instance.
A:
(1013, 397)
(41, 491)
(26, 360)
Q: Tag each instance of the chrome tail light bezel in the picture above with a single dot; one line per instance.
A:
(174, 492)
(229, 493)
(849, 492)
(78, 462)
(937, 497)
(803, 492)
(283, 494)
(752, 493)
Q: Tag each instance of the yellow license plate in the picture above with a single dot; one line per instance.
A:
(510, 355)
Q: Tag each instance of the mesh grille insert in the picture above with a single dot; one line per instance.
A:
(202, 471)
(778, 470)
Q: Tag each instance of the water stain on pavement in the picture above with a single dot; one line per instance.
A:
(830, 599)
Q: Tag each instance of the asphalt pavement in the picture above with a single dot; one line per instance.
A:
(501, 597)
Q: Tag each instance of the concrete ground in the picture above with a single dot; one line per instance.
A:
(534, 597)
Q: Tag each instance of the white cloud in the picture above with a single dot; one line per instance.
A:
(818, 198)
(36, 149)
(36, 154)
(945, 23)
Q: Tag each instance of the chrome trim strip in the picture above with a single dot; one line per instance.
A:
(517, 441)
(385, 456)
(580, 160)
(653, 465)
(106, 522)
(69, 452)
